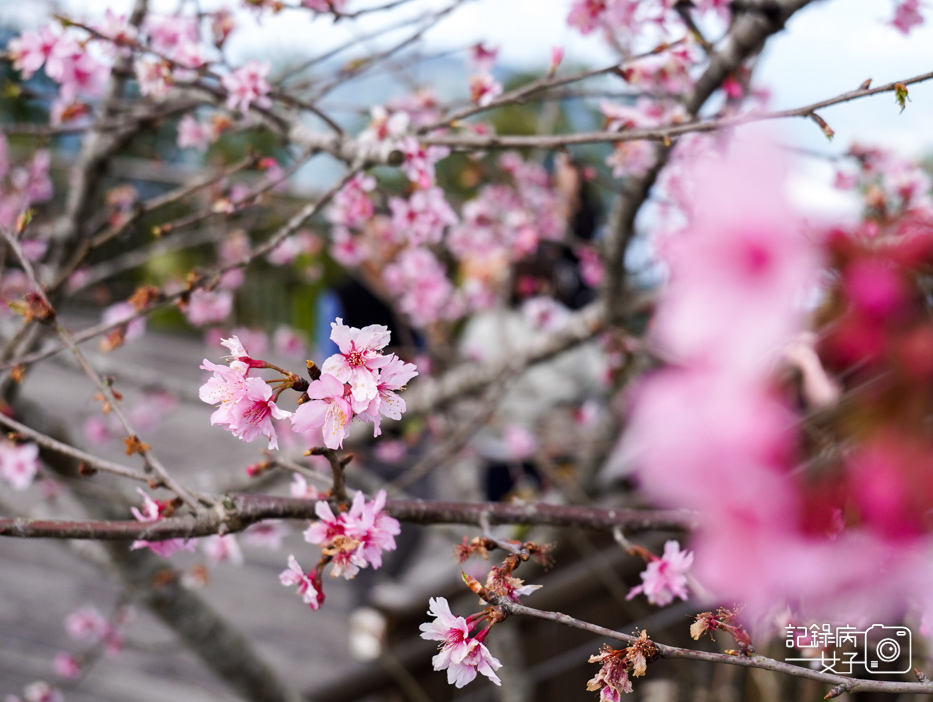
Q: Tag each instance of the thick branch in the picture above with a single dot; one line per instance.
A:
(236, 512)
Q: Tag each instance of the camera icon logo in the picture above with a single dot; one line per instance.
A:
(885, 646)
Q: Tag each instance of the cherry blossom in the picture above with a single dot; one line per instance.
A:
(224, 388)
(87, 625)
(247, 86)
(461, 656)
(153, 511)
(305, 582)
(665, 578)
(30, 50)
(392, 377)
(419, 161)
(208, 306)
(67, 666)
(482, 57)
(252, 413)
(421, 219)
(373, 528)
(484, 89)
(907, 15)
(354, 539)
(41, 691)
(327, 411)
(351, 206)
(422, 286)
(191, 133)
(585, 14)
(360, 356)
(19, 463)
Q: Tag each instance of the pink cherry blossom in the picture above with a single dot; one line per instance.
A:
(354, 539)
(153, 511)
(665, 578)
(305, 582)
(741, 228)
(907, 15)
(116, 28)
(219, 548)
(482, 57)
(167, 32)
(392, 377)
(325, 5)
(252, 414)
(191, 133)
(421, 284)
(461, 656)
(224, 388)
(328, 411)
(374, 529)
(327, 527)
(419, 161)
(41, 691)
(247, 86)
(351, 205)
(31, 49)
(422, 218)
(384, 124)
(519, 441)
(87, 625)
(585, 14)
(484, 89)
(208, 306)
(66, 666)
(19, 463)
(453, 631)
(359, 358)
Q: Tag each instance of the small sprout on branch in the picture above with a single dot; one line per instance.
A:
(866, 84)
(900, 95)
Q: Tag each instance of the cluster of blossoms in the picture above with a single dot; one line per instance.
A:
(358, 382)
(737, 274)
(727, 327)
(88, 626)
(461, 655)
(349, 541)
